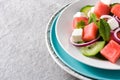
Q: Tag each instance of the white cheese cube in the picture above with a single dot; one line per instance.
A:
(79, 14)
(107, 2)
(77, 35)
(113, 23)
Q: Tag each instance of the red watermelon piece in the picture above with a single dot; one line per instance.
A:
(90, 32)
(101, 9)
(111, 51)
(116, 10)
(78, 19)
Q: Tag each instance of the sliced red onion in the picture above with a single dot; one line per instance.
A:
(112, 31)
(84, 44)
(117, 18)
(116, 36)
(106, 16)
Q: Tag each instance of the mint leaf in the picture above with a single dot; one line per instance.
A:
(81, 24)
(104, 30)
(92, 18)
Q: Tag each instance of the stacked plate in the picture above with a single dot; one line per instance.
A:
(69, 57)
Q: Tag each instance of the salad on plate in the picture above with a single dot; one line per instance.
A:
(96, 30)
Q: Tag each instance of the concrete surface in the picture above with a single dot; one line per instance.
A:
(23, 52)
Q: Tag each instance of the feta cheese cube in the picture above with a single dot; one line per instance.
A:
(113, 23)
(77, 35)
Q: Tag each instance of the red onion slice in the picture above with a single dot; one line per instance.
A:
(106, 17)
(84, 44)
(117, 18)
(116, 36)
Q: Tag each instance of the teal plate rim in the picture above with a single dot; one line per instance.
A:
(74, 65)
(52, 52)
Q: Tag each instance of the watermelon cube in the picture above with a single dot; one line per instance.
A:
(90, 32)
(116, 10)
(101, 9)
(111, 51)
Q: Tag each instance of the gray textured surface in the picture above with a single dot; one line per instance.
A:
(23, 52)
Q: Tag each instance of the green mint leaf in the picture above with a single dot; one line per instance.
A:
(92, 18)
(81, 24)
(104, 30)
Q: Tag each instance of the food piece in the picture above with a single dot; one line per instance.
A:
(113, 24)
(116, 35)
(93, 49)
(111, 51)
(83, 44)
(91, 11)
(101, 9)
(117, 19)
(92, 18)
(111, 35)
(116, 10)
(86, 9)
(90, 32)
(79, 22)
(106, 17)
(104, 30)
(77, 35)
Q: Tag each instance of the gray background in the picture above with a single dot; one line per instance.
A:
(23, 51)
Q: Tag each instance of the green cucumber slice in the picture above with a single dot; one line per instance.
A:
(93, 49)
(86, 9)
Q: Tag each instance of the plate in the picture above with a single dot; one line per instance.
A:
(63, 31)
(72, 65)
(50, 46)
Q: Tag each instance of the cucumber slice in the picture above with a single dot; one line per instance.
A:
(86, 9)
(93, 49)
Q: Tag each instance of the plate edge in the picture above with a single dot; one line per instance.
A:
(52, 53)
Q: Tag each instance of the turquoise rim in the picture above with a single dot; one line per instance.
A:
(76, 65)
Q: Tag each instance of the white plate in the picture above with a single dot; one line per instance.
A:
(53, 53)
(63, 32)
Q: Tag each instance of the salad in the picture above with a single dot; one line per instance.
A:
(96, 30)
